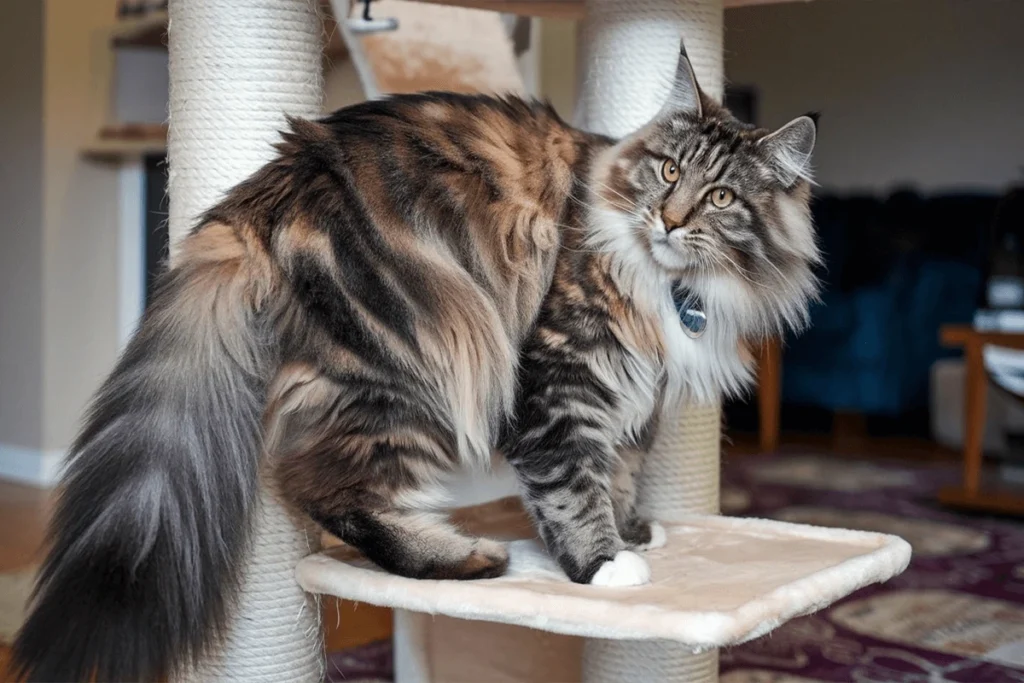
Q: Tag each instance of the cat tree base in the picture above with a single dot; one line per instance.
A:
(719, 581)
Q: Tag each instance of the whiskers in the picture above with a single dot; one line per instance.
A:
(721, 255)
(624, 204)
(643, 224)
(778, 271)
(584, 233)
(629, 202)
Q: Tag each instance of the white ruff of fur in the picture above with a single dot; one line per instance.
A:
(694, 369)
(704, 369)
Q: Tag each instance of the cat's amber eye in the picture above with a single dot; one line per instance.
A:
(722, 197)
(670, 171)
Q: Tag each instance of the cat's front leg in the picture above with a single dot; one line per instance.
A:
(574, 515)
(566, 467)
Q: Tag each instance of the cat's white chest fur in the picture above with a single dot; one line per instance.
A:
(700, 370)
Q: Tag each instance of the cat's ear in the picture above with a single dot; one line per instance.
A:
(685, 93)
(789, 149)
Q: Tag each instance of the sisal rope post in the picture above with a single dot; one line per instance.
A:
(236, 68)
(628, 49)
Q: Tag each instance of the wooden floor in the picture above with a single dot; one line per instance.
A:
(23, 514)
(24, 510)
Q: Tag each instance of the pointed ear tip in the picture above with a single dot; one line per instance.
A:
(814, 116)
(807, 125)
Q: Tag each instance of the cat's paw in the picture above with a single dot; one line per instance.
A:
(657, 540)
(488, 560)
(627, 569)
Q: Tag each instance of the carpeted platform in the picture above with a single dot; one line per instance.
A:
(956, 615)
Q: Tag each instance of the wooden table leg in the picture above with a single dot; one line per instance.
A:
(1001, 497)
(769, 394)
(974, 415)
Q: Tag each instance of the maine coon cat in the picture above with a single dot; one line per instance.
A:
(408, 283)
(697, 208)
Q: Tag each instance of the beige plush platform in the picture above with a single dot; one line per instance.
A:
(718, 581)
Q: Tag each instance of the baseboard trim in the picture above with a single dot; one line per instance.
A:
(32, 466)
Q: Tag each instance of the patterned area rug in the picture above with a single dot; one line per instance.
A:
(955, 616)
(367, 664)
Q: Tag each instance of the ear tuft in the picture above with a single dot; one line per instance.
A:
(685, 94)
(790, 147)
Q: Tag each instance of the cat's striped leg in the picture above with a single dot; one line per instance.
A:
(566, 462)
(566, 476)
(362, 459)
(576, 520)
(421, 545)
(636, 532)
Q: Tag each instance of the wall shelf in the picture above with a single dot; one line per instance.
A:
(146, 31)
(128, 141)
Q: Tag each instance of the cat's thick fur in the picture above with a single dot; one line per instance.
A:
(408, 279)
(608, 348)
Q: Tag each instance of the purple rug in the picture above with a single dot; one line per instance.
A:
(955, 616)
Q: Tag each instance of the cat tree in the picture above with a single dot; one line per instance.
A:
(237, 67)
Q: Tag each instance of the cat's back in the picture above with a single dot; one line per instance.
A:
(418, 232)
(433, 192)
(473, 158)
(471, 186)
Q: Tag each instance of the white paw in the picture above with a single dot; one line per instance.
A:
(658, 538)
(627, 569)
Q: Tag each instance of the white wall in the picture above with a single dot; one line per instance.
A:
(928, 92)
(59, 289)
(21, 250)
(58, 229)
(81, 335)
(62, 251)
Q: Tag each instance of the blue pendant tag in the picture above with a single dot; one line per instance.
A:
(691, 313)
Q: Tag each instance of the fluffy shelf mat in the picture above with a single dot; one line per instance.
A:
(718, 581)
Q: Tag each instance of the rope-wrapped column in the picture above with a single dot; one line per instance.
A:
(236, 68)
(628, 51)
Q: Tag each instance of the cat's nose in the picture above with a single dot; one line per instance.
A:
(672, 220)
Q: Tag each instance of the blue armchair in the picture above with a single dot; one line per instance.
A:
(896, 271)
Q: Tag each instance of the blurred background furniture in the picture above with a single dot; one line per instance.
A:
(976, 492)
(896, 269)
(769, 394)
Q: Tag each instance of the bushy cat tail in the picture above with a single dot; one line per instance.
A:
(154, 508)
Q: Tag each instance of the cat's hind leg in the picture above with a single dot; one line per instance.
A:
(360, 458)
(419, 545)
(636, 532)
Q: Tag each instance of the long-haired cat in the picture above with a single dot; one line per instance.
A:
(371, 310)
(695, 205)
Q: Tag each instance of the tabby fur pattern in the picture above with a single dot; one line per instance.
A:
(409, 283)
